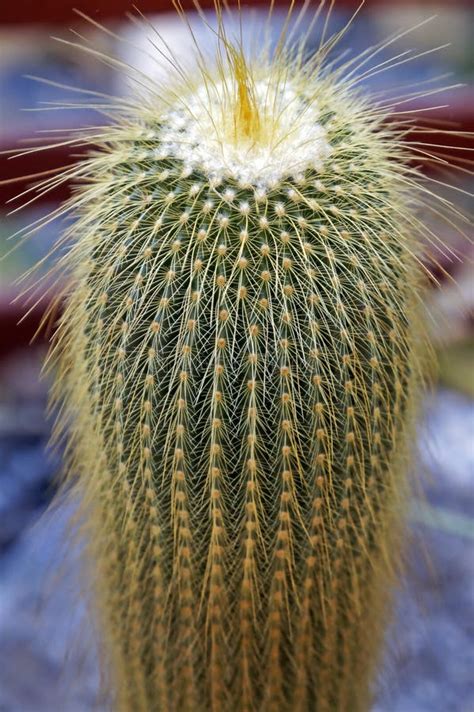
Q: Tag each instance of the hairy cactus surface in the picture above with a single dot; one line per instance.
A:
(237, 363)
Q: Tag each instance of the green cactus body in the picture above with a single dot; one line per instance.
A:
(238, 355)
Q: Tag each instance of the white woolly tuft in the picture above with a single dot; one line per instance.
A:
(198, 134)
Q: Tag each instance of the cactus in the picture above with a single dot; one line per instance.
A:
(237, 364)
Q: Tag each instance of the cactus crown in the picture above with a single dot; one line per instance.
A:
(239, 355)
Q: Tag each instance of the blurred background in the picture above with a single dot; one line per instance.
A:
(47, 657)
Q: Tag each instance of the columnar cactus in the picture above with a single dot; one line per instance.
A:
(237, 359)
